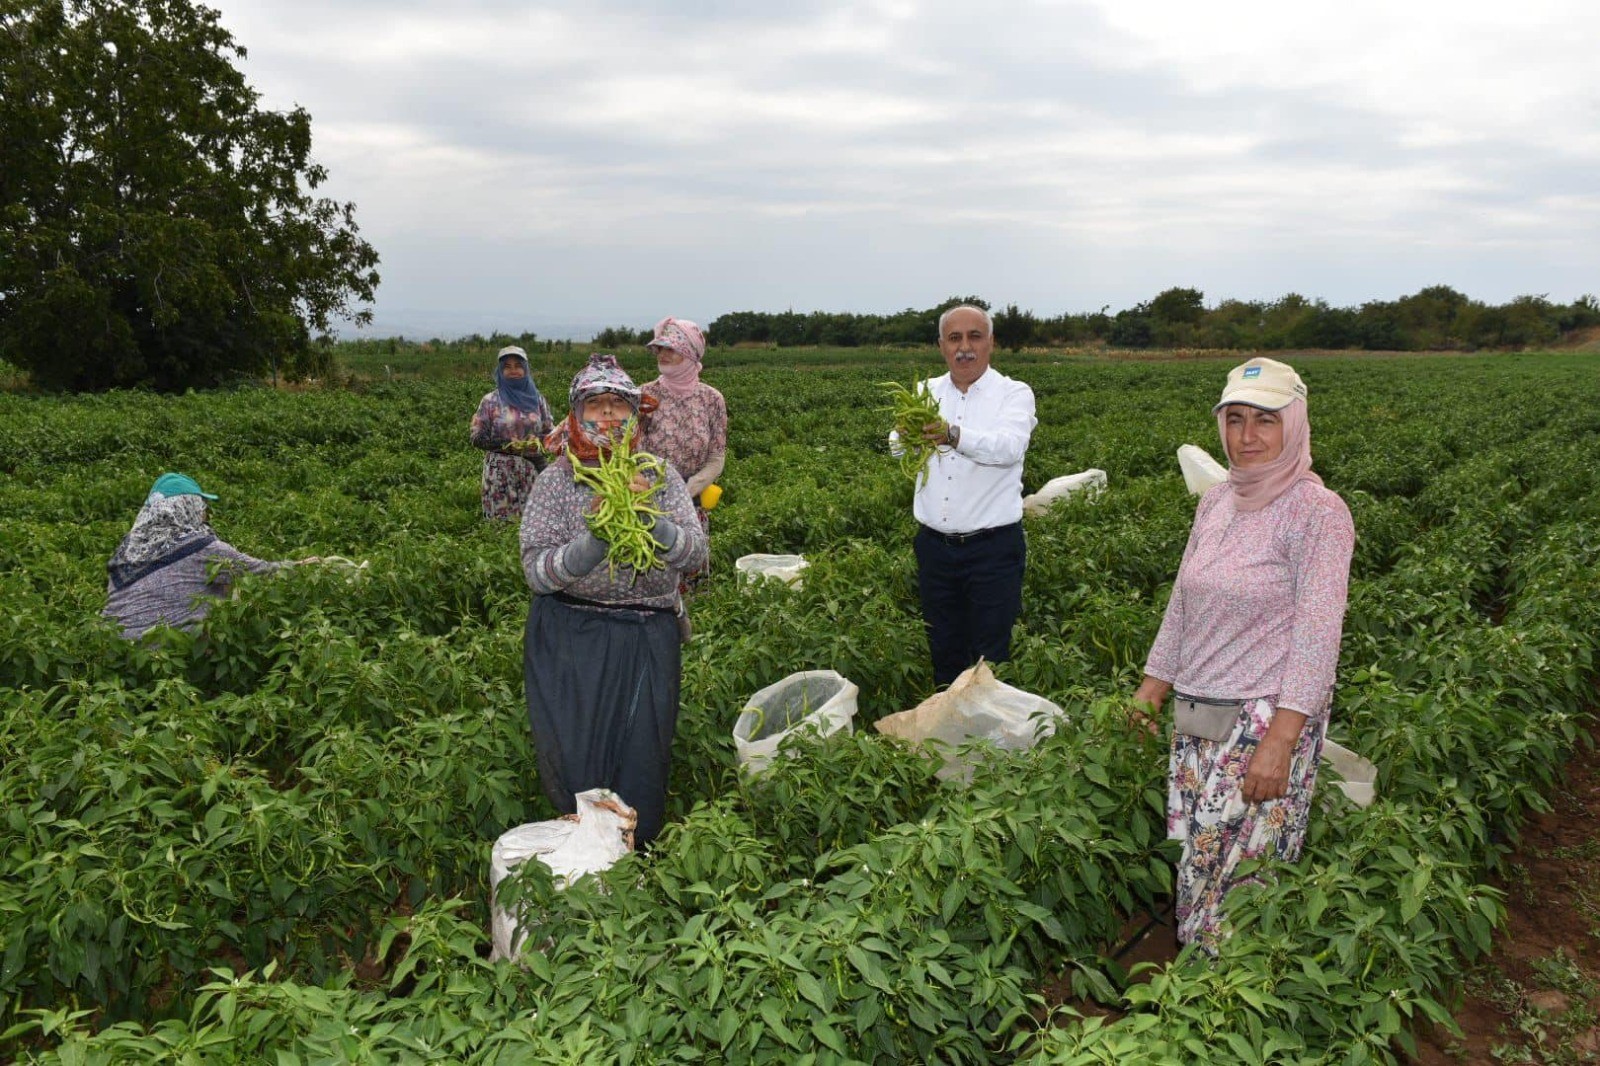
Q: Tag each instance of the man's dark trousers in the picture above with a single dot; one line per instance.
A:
(971, 589)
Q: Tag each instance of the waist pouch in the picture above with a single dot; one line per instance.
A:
(1207, 719)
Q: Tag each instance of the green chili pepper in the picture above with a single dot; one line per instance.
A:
(912, 409)
(625, 516)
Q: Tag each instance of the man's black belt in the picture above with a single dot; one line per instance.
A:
(968, 538)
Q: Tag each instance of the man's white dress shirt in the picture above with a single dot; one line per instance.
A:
(978, 483)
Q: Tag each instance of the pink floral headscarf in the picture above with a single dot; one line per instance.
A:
(684, 337)
(1255, 487)
(602, 374)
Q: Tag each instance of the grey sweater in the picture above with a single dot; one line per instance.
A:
(180, 593)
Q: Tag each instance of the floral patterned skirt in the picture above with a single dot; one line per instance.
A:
(1219, 830)
(507, 480)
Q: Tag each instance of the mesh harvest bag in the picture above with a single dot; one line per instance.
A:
(821, 702)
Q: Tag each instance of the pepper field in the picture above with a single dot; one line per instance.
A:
(268, 842)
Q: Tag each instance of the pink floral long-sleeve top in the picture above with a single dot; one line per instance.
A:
(690, 432)
(1258, 606)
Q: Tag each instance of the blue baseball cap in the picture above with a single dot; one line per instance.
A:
(178, 485)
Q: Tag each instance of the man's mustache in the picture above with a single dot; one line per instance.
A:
(966, 357)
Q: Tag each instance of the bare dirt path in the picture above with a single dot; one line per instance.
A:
(1536, 998)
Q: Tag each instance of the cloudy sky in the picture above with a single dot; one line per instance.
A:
(559, 166)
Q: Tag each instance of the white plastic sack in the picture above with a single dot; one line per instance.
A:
(976, 707)
(1057, 488)
(819, 700)
(1360, 776)
(577, 844)
(785, 568)
(1200, 471)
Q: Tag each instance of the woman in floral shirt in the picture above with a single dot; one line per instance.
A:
(1248, 646)
(689, 428)
(509, 425)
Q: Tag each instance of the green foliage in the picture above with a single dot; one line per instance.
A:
(268, 840)
(1435, 318)
(1014, 328)
(159, 227)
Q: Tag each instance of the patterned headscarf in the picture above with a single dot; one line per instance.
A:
(167, 529)
(521, 394)
(603, 374)
(684, 337)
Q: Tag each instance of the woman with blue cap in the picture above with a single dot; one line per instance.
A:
(510, 423)
(171, 564)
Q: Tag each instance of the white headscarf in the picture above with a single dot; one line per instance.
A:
(165, 525)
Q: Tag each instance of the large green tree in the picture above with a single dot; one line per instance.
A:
(158, 226)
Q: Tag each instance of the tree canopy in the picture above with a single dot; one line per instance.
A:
(158, 226)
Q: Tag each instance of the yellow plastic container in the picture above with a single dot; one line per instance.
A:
(709, 496)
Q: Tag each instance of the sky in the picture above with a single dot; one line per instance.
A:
(558, 167)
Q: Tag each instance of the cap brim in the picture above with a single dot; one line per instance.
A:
(1259, 398)
(207, 495)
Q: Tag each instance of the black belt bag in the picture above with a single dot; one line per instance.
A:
(1193, 716)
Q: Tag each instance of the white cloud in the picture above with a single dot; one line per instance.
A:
(873, 154)
(1449, 71)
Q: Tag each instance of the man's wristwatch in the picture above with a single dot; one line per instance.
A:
(954, 433)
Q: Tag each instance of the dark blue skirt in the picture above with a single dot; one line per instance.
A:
(602, 689)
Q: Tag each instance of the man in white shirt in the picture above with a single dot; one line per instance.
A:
(969, 544)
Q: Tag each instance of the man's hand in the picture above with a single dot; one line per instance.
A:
(937, 433)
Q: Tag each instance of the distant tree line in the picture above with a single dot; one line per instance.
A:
(1436, 318)
(529, 342)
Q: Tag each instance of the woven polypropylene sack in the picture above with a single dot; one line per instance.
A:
(1200, 471)
(1059, 488)
(583, 843)
(1360, 777)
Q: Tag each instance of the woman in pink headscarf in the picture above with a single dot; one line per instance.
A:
(689, 428)
(1248, 647)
